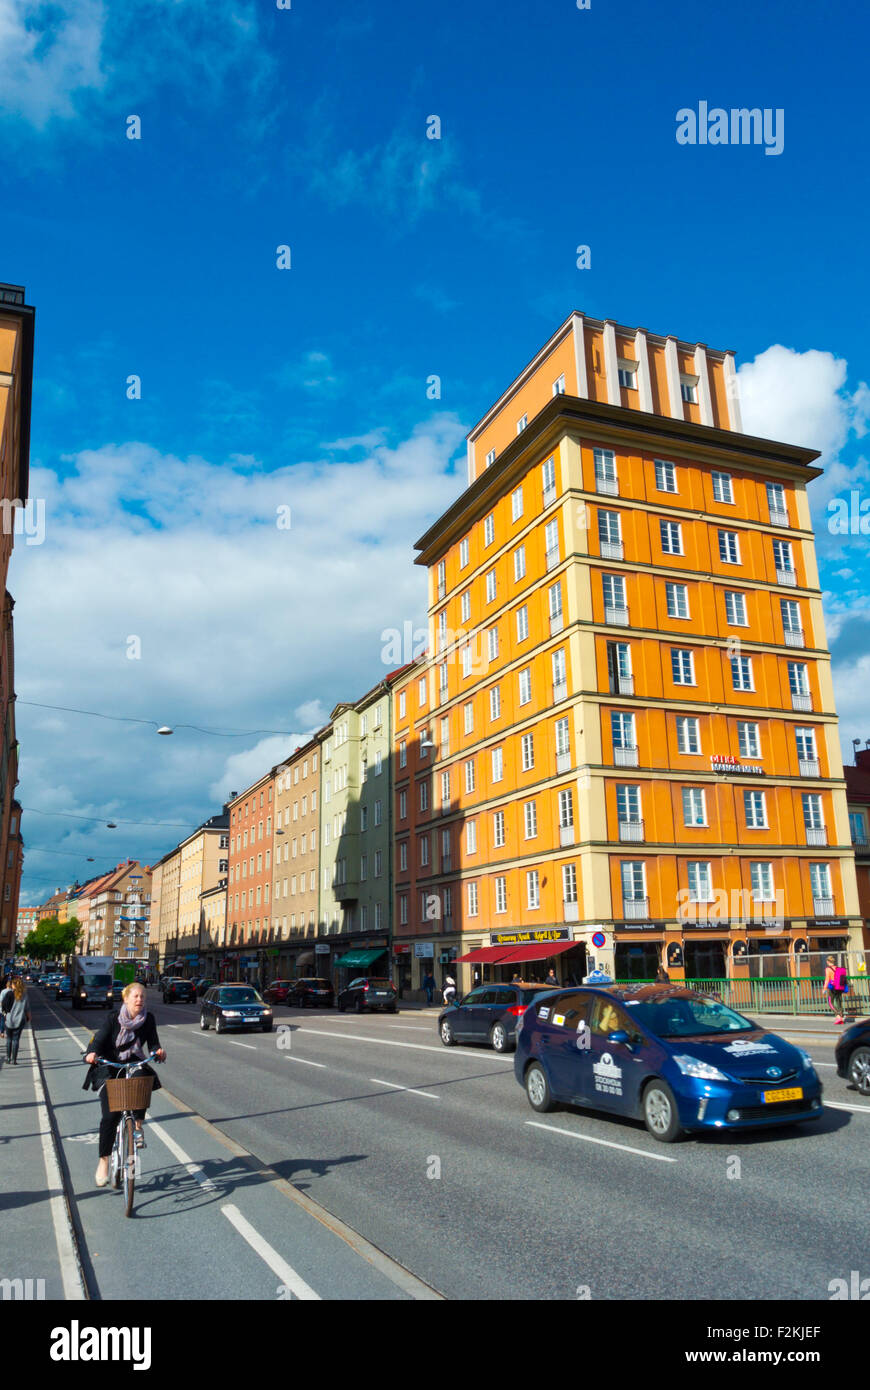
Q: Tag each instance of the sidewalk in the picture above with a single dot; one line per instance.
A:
(38, 1258)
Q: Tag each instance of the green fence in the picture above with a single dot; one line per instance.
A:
(781, 996)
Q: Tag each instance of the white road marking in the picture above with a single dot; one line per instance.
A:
(608, 1143)
(304, 1060)
(410, 1028)
(841, 1105)
(418, 1047)
(824, 1064)
(70, 1271)
(250, 1046)
(285, 1273)
(427, 1094)
(194, 1169)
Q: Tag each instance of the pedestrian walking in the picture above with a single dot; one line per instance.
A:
(429, 986)
(16, 1016)
(835, 987)
(449, 990)
(4, 1002)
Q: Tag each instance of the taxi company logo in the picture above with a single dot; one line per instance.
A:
(608, 1076)
(743, 1049)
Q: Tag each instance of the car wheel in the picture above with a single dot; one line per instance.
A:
(219, 1024)
(448, 1037)
(660, 1114)
(538, 1091)
(859, 1070)
(498, 1038)
(203, 1023)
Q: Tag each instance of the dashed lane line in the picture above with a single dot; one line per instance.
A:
(304, 1060)
(607, 1143)
(428, 1094)
(249, 1046)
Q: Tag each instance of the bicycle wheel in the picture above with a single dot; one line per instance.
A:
(129, 1157)
(116, 1161)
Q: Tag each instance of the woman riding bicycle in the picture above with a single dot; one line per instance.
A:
(128, 1035)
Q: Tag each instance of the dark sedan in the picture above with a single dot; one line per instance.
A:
(311, 990)
(63, 988)
(175, 989)
(367, 992)
(234, 1006)
(278, 991)
(488, 1014)
(852, 1055)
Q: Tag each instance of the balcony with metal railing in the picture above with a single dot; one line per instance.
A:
(823, 907)
(608, 486)
(794, 637)
(563, 762)
(631, 830)
(801, 702)
(786, 577)
(549, 496)
(566, 834)
(612, 550)
(616, 617)
(557, 622)
(560, 691)
(777, 517)
(809, 767)
(570, 912)
(817, 835)
(622, 685)
(553, 557)
(635, 909)
(625, 757)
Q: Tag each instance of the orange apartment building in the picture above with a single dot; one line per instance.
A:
(858, 798)
(249, 888)
(632, 755)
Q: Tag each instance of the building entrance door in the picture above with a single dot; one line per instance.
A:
(705, 960)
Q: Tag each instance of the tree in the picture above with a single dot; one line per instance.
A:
(51, 939)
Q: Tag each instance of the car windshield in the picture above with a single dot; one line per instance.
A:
(318, 984)
(688, 1015)
(239, 996)
(379, 984)
(96, 981)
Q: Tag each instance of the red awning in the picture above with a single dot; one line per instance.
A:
(489, 954)
(542, 950)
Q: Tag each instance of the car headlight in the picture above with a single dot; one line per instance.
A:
(231, 1013)
(809, 1064)
(691, 1066)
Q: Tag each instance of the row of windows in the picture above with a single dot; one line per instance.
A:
(623, 730)
(245, 869)
(252, 804)
(251, 900)
(284, 778)
(283, 817)
(700, 881)
(312, 884)
(629, 808)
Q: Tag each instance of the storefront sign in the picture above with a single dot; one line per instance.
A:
(321, 950)
(402, 950)
(423, 948)
(726, 762)
(830, 922)
(531, 938)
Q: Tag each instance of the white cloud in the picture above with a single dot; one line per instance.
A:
(49, 54)
(242, 625)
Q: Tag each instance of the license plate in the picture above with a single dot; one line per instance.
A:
(252, 1018)
(795, 1094)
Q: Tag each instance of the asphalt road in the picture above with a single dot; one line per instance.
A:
(435, 1156)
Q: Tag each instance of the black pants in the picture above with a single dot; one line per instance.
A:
(109, 1124)
(13, 1036)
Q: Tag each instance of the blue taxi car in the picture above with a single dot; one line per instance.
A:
(666, 1054)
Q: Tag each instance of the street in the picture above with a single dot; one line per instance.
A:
(452, 1184)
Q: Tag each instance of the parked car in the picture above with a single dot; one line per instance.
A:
(368, 992)
(203, 984)
(488, 1014)
(311, 990)
(234, 1006)
(63, 988)
(175, 989)
(118, 987)
(665, 1054)
(278, 991)
(852, 1055)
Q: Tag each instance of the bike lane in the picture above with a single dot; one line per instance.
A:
(209, 1221)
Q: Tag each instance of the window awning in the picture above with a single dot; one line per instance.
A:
(542, 950)
(488, 954)
(359, 960)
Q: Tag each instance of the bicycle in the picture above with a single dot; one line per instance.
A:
(127, 1093)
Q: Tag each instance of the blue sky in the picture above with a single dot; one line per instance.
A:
(307, 387)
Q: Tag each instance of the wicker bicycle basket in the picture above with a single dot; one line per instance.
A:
(132, 1093)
